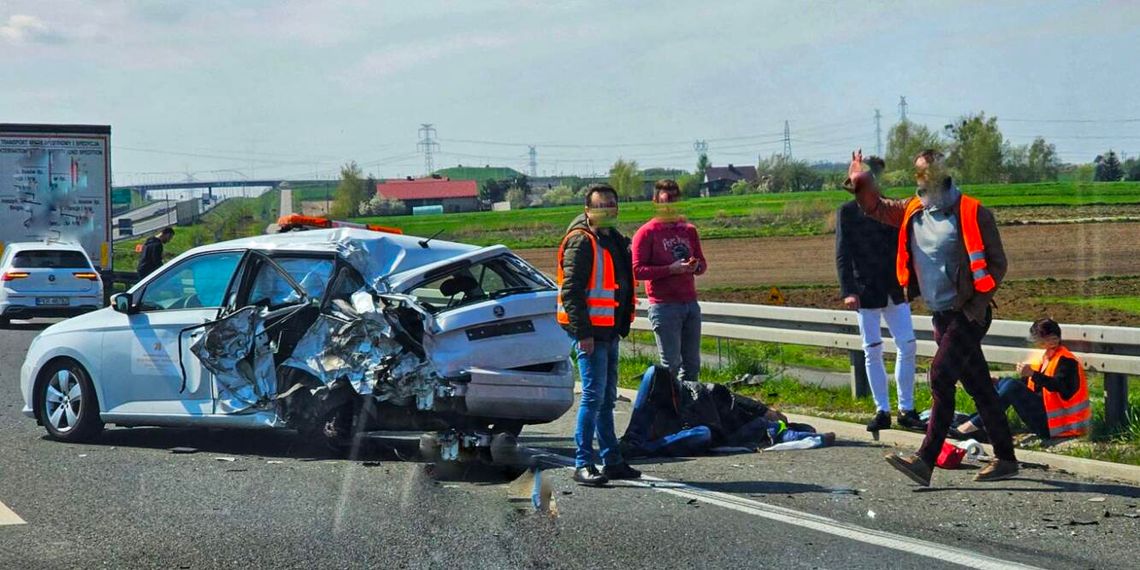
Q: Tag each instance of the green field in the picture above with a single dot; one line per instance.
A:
(1130, 304)
(755, 215)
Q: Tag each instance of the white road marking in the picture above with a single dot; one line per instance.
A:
(814, 522)
(7, 516)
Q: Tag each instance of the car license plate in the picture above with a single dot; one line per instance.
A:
(51, 301)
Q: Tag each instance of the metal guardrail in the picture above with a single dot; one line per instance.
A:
(1114, 351)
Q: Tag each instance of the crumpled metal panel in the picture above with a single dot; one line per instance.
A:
(236, 350)
(362, 349)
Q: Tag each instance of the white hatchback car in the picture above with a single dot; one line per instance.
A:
(47, 279)
(325, 331)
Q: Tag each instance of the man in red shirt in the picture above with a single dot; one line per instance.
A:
(667, 256)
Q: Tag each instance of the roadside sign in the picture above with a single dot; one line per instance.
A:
(775, 297)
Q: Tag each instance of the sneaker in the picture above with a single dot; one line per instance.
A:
(997, 470)
(590, 476)
(881, 421)
(620, 471)
(909, 419)
(911, 466)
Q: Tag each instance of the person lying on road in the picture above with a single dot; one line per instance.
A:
(676, 418)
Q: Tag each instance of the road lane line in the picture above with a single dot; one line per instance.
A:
(814, 522)
(7, 516)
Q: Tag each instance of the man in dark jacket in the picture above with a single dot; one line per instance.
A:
(953, 258)
(864, 259)
(596, 307)
(678, 418)
(151, 257)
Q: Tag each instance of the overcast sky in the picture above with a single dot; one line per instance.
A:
(280, 88)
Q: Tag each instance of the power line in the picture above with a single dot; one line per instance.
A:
(428, 145)
(878, 134)
(787, 141)
(1023, 120)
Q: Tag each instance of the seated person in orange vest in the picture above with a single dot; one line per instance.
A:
(1051, 395)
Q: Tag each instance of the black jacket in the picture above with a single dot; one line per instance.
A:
(680, 405)
(865, 253)
(578, 263)
(1066, 379)
(151, 257)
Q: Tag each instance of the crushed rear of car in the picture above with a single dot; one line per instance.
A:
(407, 336)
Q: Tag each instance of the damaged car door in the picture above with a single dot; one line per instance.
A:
(276, 301)
(146, 362)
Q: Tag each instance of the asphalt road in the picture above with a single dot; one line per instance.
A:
(127, 501)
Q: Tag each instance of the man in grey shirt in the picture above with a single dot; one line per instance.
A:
(951, 245)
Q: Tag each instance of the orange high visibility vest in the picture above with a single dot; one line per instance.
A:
(971, 235)
(601, 296)
(1066, 418)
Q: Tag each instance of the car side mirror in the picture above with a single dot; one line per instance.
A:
(122, 303)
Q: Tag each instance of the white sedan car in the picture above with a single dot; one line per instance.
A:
(47, 279)
(328, 332)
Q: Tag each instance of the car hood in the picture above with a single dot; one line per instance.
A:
(86, 322)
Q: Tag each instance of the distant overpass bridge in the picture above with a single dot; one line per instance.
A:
(143, 189)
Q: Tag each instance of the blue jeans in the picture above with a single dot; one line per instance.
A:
(677, 327)
(1028, 405)
(599, 373)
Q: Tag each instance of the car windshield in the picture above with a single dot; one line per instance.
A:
(50, 259)
(469, 283)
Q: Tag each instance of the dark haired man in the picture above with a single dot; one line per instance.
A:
(151, 257)
(864, 259)
(667, 256)
(951, 245)
(596, 306)
(1050, 394)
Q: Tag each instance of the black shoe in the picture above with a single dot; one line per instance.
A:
(620, 471)
(909, 419)
(589, 475)
(881, 421)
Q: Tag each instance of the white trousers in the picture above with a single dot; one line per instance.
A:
(898, 322)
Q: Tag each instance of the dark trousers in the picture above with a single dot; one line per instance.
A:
(959, 357)
(1029, 405)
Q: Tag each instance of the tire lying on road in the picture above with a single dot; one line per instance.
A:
(66, 403)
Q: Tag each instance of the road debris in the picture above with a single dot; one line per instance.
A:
(871, 514)
(182, 450)
(533, 492)
(274, 462)
(1097, 500)
(226, 459)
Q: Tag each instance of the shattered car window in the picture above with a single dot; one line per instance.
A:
(490, 279)
(270, 288)
(196, 282)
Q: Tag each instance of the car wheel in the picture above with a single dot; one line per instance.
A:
(67, 405)
(5, 323)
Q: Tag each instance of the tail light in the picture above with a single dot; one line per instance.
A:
(14, 275)
(88, 275)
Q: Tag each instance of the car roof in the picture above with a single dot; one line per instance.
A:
(387, 253)
(51, 245)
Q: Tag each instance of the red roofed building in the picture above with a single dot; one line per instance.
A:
(453, 195)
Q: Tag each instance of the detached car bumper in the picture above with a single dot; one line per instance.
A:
(533, 397)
